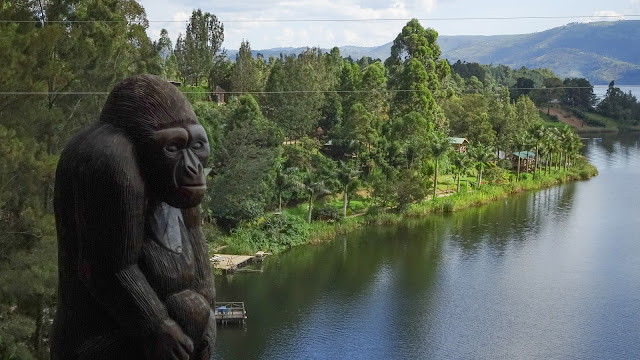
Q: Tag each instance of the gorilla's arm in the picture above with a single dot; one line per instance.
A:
(204, 274)
(111, 235)
(203, 283)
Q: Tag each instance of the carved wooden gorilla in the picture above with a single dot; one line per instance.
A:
(134, 275)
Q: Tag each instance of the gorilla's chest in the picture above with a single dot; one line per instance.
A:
(167, 256)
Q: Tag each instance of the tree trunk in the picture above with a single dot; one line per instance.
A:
(38, 334)
(480, 177)
(535, 168)
(459, 175)
(310, 208)
(435, 182)
(344, 203)
(518, 176)
(280, 202)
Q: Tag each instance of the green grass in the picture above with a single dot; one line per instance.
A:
(610, 123)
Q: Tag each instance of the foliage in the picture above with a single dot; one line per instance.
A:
(624, 107)
(273, 233)
(495, 175)
(199, 49)
(328, 212)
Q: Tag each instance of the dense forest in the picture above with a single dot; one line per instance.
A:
(283, 130)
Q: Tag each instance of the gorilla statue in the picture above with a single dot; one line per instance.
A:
(135, 280)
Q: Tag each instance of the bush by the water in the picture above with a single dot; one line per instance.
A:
(328, 212)
(274, 232)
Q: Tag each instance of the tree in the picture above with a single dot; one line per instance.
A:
(245, 76)
(481, 154)
(537, 135)
(297, 86)
(523, 86)
(462, 162)
(439, 147)
(347, 175)
(522, 142)
(415, 65)
(247, 164)
(200, 48)
(286, 179)
(164, 47)
(578, 93)
(57, 58)
(314, 185)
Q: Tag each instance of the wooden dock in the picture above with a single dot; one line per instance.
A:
(229, 263)
(230, 312)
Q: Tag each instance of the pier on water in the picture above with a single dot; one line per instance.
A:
(230, 312)
(230, 263)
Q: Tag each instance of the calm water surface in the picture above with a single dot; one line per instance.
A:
(547, 274)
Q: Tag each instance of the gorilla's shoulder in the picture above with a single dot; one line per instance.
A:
(100, 150)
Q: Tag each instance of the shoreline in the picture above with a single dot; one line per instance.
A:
(320, 231)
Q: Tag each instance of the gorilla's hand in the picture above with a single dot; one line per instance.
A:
(169, 343)
(205, 349)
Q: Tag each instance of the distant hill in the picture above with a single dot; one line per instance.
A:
(598, 51)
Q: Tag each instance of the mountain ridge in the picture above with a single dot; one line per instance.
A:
(599, 51)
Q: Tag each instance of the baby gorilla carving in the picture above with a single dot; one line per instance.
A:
(134, 276)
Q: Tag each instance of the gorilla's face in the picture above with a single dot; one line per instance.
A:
(178, 160)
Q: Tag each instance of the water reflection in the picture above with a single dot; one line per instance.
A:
(546, 274)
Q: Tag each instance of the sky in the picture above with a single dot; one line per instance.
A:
(245, 19)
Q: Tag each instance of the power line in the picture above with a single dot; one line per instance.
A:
(10, 93)
(343, 20)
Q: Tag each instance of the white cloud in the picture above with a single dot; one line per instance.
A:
(605, 15)
(237, 15)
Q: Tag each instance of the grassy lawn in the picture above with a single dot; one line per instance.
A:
(593, 116)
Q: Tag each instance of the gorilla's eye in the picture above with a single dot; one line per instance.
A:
(198, 145)
(171, 148)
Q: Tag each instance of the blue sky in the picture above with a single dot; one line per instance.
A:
(263, 35)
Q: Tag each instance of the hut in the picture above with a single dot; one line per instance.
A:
(218, 95)
(459, 144)
(526, 158)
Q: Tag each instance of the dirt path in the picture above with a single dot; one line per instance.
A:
(570, 119)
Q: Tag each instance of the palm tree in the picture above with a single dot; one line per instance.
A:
(347, 175)
(439, 147)
(573, 146)
(481, 154)
(314, 186)
(522, 143)
(285, 180)
(566, 135)
(550, 141)
(462, 162)
(537, 133)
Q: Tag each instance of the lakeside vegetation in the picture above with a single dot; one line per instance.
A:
(288, 130)
(277, 232)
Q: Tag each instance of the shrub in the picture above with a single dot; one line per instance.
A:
(327, 212)
(526, 176)
(374, 210)
(584, 174)
(493, 175)
(274, 232)
(504, 163)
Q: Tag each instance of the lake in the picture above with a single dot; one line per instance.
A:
(547, 274)
(601, 90)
